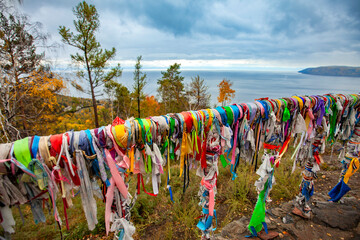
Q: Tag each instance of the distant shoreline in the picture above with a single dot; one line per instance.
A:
(335, 71)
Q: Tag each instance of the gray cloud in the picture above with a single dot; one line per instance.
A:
(289, 32)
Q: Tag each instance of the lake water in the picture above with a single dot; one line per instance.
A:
(250, 85)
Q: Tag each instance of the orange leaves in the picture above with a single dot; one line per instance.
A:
(39, 91)
(43, 85)
(226, 94)
(150, 107)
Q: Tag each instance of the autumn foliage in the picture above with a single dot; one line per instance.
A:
(31, 105)
(150, 107)
(40, 104)
(226, 93)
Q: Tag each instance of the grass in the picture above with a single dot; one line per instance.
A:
(159, 218)
(239, 194)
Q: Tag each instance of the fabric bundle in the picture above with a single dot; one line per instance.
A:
(97, 163)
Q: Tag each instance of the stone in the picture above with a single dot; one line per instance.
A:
(357, 229)
(267, 236)
(288, 206)
(218, 237)
(235, 228)
(270, 224)
(276, 212)
(287, 219)
(336, 215)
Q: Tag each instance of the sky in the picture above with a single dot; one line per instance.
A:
(214, 34)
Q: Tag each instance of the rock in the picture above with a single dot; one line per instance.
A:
(287, 219)
(275, 212)
(235, 228)
(267, 236)
(319, 197)
(351, 201)
(282, 210)
(288, 206)
(270, 224)
(301, 225)
(219, 237)
(357, 229)
(335, 215)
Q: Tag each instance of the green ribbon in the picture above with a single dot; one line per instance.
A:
(286, 114)
(149, 164)
(22, 151)
(164, 146)
(223, 161)
(332, 120)
(229, 114)
(258, 216)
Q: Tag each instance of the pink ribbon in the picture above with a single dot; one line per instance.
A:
(210, 188)
(236, 134)
(235, 142)
(311, 122)
(109, 201)
(22, 167)
(115, 174)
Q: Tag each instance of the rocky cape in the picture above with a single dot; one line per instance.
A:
(343, 71)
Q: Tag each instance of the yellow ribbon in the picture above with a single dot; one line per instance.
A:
(353, 167)
(120, 135)
(132, 159)
(185, 149)
(301, 103)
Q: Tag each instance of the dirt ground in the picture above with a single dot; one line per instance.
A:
(328, 178)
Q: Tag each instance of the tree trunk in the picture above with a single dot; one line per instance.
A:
(17, 96)
(92, 93)
(138, 99)
(94, 103)
(198, 98)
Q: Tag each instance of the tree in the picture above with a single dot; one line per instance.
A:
(18, 50)
(139, 84)
(198, 93)
(92, 57)
(171, 89)
(27, 89)
(121, 98)
(226, 94)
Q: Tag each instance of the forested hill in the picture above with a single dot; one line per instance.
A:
(333, 71)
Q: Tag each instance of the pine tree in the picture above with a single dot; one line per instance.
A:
(171, 89)
(120, 99)
(139, 84)
(92, 57)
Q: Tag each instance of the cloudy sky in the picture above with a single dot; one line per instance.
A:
(220, 34)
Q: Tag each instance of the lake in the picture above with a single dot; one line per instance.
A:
(250, 85)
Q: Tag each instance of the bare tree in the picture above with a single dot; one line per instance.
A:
(19, 69)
